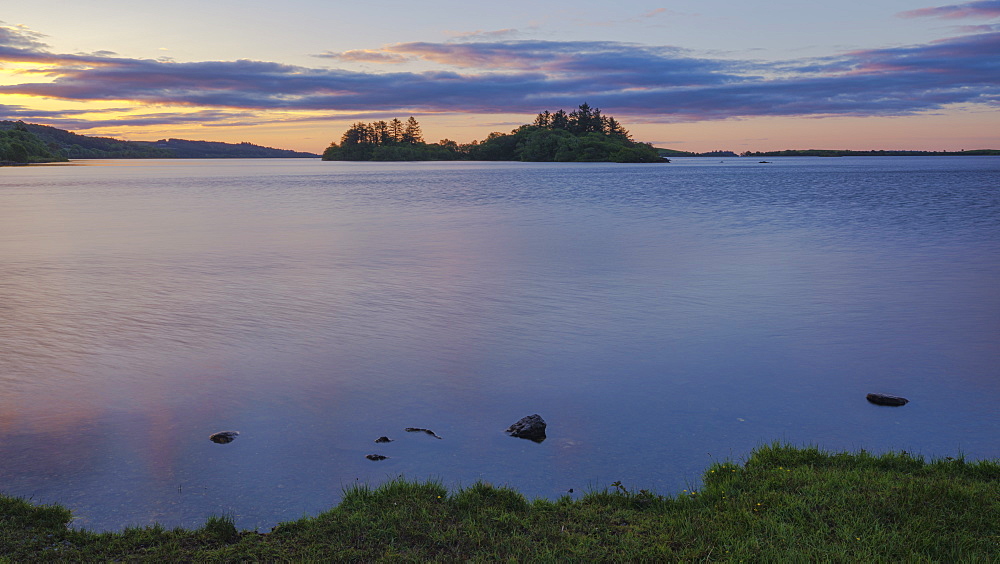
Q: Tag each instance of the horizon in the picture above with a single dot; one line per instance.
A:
(689, 76)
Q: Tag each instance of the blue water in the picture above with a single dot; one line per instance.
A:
(659, 317)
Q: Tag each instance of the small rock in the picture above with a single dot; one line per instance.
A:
(882, 399)
(421, 430)
(531, 427)
(223, 437)
(383, 440)
(375, 457)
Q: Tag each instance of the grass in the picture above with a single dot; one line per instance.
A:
(783, 503)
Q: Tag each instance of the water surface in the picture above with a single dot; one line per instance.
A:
(659, 317)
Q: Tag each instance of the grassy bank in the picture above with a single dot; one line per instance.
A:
(782, 503)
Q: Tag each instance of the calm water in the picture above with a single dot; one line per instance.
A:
(658, 317)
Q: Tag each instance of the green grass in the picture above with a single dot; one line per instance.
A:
(783, 503)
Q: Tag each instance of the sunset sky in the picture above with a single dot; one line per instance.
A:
(694, 75)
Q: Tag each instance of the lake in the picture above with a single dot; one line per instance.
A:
(659, 317)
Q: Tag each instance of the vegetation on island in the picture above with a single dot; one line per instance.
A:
(20, 146)
(583, 135)
(68, 145)
(783, 504)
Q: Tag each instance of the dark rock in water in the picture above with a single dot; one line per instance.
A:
(421, 430)
(882, 399)
(223, 437)
(383, 440)
(375, 457)
(531, 427)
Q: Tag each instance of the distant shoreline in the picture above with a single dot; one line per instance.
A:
(848, 153)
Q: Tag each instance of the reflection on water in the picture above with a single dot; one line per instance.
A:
(658, 317)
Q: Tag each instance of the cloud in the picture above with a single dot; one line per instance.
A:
(650, 83)
(985, 28)
(75, 120)
(566, 57)
(20, 37)
(654, 13)
(981, 9)
(365, 56)
(17, 112)
(480, 34)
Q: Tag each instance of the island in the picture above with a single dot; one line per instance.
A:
(583, 135)
(33, 143)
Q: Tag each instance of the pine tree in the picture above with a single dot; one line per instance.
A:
(396, 130)
(412, 133)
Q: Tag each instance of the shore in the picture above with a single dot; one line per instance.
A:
(782, 503)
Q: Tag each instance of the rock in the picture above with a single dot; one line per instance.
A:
(223, 437)
(531, 427)
(882, 399)
(421, 430)
(375, 457)
(383, 440)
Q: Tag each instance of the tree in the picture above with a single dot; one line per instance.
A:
(560, 120)
(380, 133)
(614, 129)
(585, 120)
(412, 133)
(396, 130)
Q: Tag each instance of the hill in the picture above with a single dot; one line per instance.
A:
(184, 149)
(20, 146)
(847, 153)
(676, 153)
(69, 145)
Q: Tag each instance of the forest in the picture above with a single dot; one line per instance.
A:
(20, 146)
(583, 135)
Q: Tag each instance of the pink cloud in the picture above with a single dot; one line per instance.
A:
(640, 81)
(365, 56)
(979, 9)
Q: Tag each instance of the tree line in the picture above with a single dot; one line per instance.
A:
(583, 135)
(20, 146)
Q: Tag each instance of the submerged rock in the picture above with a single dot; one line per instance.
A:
(421, 430)
(223, 437)
(375, 457)
(383, 439)
(531, 427)
(882, 399)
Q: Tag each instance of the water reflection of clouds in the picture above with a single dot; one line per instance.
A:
(643, 328)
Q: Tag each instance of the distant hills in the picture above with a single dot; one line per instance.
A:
(845, 153)
(676, 153)
(826, 153)
(604, 139)
(62, 144)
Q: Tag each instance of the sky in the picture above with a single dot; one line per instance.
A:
(695, 75)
